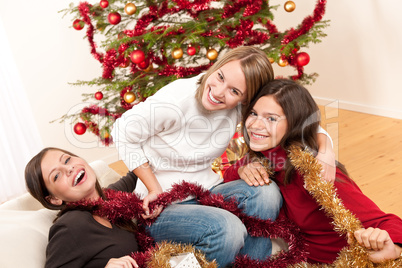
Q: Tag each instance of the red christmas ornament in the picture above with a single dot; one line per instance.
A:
(302, 59)
(114, 18)
(104, 3)
(80, 128)
(144, 64)
(98, 95)
(137, 56)
(191, 50)
(78, 24)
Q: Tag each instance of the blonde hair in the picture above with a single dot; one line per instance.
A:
(255, 65)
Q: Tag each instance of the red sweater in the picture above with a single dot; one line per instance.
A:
(323, 242)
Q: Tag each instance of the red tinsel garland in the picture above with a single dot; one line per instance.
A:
(84, 11)
(183, 71)
(307, 23)
(96, 110)
(93, 127)
(122, 205)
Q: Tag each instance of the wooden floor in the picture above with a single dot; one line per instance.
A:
(371, 149)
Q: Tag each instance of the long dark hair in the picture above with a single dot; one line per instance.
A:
(302, 115)
(37, 188)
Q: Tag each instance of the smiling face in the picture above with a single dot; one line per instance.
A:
(266, 124)
(225, 88)
(67, 178)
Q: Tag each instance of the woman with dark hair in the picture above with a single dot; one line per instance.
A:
(79, 238)
(284, 115)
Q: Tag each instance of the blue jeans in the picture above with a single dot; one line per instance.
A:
(219, 234)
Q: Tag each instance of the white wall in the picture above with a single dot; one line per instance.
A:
(50, 54)
(359, 62)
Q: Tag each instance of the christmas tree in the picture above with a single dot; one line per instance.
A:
(148, 44)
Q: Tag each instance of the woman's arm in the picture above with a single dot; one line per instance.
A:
(126, 183)
(326, 156)
(382, 231)
(157, 114)
(136, 129)
(253, 173)
(144, 172)
(379, 244)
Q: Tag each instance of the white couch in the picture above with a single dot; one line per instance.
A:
(25, 223)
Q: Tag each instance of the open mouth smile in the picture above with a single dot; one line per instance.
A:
(212, 99)
(79, 177)
(258, 136)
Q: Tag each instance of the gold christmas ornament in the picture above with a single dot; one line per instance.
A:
(217, 166)
(289, 6)
(105, 135)
(100, 26)
(129, 97)
(271, 60)
(177, 53)
(130, 9)
(212, 54)
(282, 62)
(149, 68)
(236, 149)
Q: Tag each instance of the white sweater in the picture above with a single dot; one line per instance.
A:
(175, 135)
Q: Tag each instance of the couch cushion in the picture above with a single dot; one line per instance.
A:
(24, 236)
(23, 202)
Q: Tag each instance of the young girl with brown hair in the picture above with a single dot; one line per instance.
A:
(282, 115)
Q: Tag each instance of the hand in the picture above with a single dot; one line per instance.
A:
(152, 196)
(327, 161)
(145, 174)
(254, 174)
(125, 261)
(379, 244)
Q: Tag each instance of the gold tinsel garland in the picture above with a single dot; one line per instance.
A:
(161, 256)
(325, 194)
(343, 220)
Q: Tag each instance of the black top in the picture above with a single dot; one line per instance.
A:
(77, 240)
